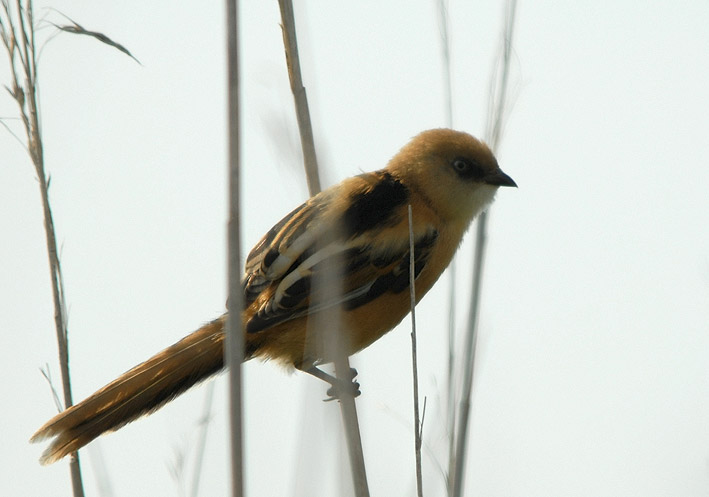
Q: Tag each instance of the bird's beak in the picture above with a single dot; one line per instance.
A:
(500, 179)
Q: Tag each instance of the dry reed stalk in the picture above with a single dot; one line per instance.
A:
(234, 349)
(493, 135)
(18, 36)
(418, 428)
(342, 365)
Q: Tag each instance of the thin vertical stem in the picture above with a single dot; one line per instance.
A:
(414, 357)
(302, 111)
(342, 364)
(452, 279)
(446, 55)
(25, 93)
(493, 138)
(234, 350)
(350, 421)
(500, 96)
(470, 347)
(202, 440)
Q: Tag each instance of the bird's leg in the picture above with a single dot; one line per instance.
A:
(338, 386)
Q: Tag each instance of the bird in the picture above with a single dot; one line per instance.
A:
(353, 237)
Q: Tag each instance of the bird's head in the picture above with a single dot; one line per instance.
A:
(455, 172)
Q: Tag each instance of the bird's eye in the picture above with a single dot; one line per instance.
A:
(461, 165)
(467, 168)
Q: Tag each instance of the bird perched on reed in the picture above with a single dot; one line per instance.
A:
(355, 234)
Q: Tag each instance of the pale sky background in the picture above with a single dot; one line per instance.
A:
(593, 372)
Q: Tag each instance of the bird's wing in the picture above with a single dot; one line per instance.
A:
(338, 248)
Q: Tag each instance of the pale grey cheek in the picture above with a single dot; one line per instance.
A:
(480, 198)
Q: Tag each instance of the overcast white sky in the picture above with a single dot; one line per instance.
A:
(593, 376)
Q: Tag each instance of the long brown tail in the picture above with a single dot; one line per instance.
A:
(140, 391)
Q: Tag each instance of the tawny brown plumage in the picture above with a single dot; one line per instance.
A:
(356, 232)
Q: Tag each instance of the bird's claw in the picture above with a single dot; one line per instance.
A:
(336, 391)
(345, 387)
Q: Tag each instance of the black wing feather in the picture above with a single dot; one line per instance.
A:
(312, 241)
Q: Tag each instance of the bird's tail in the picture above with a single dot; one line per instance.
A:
(140, 391)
